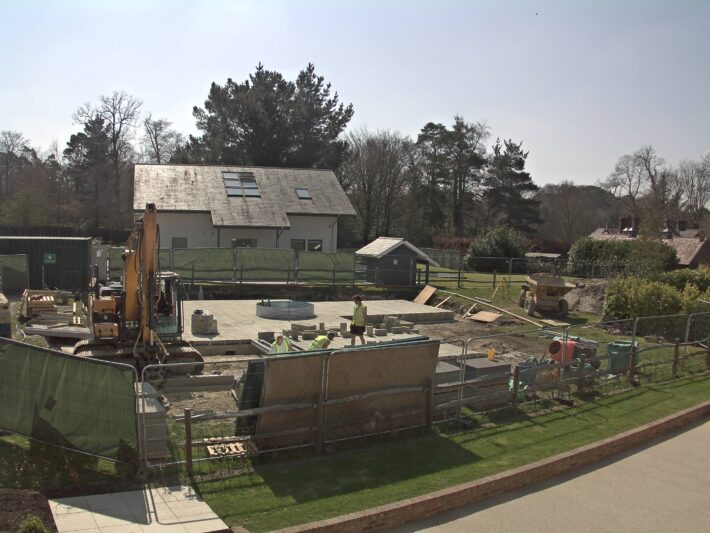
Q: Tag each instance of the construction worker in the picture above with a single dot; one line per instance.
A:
(357, 328)
(280, 345)
(322, 341)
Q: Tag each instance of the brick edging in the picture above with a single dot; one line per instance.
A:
(441, 501)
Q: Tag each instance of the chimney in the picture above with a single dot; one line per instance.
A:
(682, 225)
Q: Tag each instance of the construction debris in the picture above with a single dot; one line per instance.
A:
(424, 296)
(485, 316)
(485, 302)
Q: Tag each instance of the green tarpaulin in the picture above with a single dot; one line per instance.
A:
(71, 401)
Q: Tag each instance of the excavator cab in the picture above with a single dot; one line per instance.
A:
(169, 307)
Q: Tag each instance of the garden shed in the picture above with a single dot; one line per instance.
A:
(393, 261)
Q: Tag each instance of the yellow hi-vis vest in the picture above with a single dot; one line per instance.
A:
(359, 315)
(319, 343)
(281, 348)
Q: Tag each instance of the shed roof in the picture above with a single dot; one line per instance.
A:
(201, 188)
(384, 245)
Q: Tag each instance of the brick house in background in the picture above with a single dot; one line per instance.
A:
(201, 206)
(690, 244)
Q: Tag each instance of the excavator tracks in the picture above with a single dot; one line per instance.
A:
(180, 352)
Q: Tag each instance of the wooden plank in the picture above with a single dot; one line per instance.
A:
(485, 316)
(485, 302)
(424, 296)
(555, 323)
(442, 302)
(469, 310)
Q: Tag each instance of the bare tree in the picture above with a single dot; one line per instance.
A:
(159, 140)
(120, 112)
(12, 145)
(694, 181)
(626, 182)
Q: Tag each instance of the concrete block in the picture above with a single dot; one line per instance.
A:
(405, 323)
(343, 326)
(203, 324)
(297, 328)
(346, 334)
(266, 336)
(308, 335)
(321, 326)
(369, 330)
(414, 331)
(392, 320)
(397, 329)
(380, 332)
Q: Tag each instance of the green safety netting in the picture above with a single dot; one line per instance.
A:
(13, 273)
(66, 400)
(263, 264)
(203, 263)
(322, 267)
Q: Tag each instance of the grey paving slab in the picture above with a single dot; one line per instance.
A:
(237, 319)
(153, 510)
(659, 488)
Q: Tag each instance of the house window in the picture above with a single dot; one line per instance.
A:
(298, 244)
(304, 194)
(243, 243)
(315, 245)
(179, 242)
(241, 185)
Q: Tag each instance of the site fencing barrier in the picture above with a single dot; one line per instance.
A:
(568, 365)
(14, 273)
(67, 401)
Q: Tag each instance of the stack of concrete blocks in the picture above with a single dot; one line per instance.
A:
(290, 334)
(307, 332)
(344, 331)
(203, 323)
(152, 422)
(488, 383)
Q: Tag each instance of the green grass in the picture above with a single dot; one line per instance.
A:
(283, 494)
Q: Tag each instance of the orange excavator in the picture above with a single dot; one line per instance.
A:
(140, 320)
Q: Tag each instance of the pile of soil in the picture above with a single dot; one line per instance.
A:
(588, 297)
(16, 504)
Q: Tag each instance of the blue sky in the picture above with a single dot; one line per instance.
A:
(580, 83)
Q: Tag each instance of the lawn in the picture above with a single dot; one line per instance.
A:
(283, 494)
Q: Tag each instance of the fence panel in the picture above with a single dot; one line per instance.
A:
(319, 267)
(68, 401)
(262, 264)
(203, 264)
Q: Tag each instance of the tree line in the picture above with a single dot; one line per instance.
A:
(450, 184)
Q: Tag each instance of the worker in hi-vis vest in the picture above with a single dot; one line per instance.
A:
(357, 328)
(322, 342)
(280, 345)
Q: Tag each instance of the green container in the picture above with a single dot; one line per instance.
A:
(620, 355)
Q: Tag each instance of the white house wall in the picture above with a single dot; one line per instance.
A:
(197, 228)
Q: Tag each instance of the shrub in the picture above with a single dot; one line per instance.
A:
(636, 297)
(501, 241)
(32, 524)
(638, 256)
(683, 277)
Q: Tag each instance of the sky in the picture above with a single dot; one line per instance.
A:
(579, 83)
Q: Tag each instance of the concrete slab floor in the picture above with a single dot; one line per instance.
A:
(237, 319)
(152, 510)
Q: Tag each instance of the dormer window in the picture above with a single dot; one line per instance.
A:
(240, 185)
(304, 194)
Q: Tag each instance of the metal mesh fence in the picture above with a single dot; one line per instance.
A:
(14, 276)
(203, 263)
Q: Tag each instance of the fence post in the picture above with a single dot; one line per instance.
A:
(318, 428)
(188, 440)
(241, 274)
(676, 352)
(632, 364)
(458, 280)
(429, 404)
(707, 355)
(580, 384)
(516, 386)
(334, 275)
(495, 276)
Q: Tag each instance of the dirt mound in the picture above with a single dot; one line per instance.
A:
(16, 504)
(588, 297)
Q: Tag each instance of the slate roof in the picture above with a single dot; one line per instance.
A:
(687, 248)
(384, 245)
(200, 188)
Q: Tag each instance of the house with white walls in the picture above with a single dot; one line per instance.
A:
(231, 206)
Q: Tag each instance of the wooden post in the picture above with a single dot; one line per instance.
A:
(333, 274)
(676, 353)
(516, 386)
(707, 355)
(188, 440)
(429, 404)
(495, 279)
(241, 274)
(318, 425)
(458, 282)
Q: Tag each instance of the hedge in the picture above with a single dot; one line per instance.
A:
(613, 257)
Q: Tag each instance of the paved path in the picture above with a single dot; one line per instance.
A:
(157, 510)
(663, 487)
